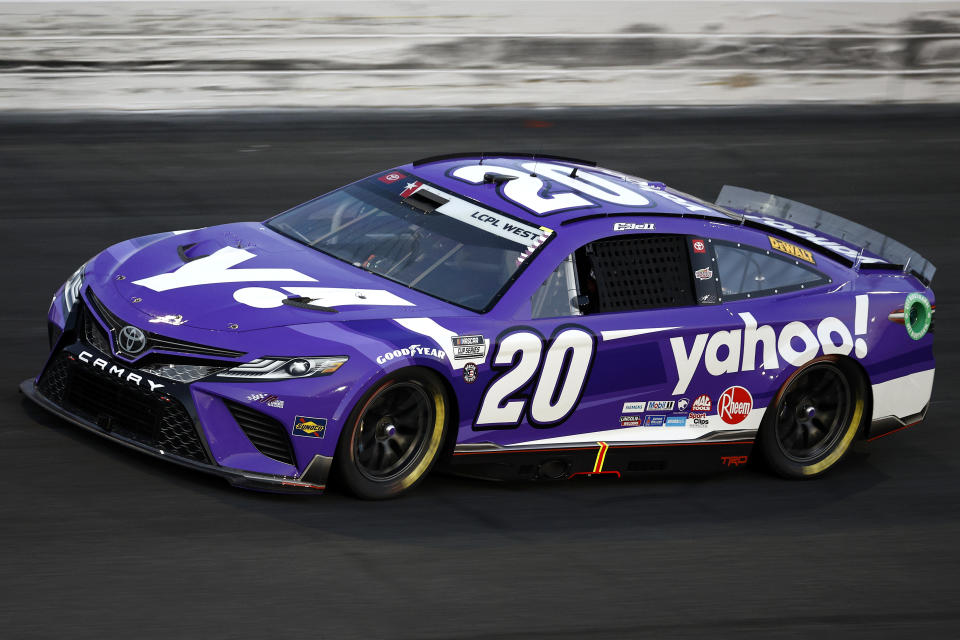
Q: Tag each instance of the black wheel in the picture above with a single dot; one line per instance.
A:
(393, 436)
(813, 420)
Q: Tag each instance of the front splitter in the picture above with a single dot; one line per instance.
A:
(309, 482)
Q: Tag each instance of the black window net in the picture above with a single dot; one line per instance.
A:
(638, 272)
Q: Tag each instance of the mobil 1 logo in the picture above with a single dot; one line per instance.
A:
(468, 347)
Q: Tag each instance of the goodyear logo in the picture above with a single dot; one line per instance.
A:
(309, 427)
(791, 249)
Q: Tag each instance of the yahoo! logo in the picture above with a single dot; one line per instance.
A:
(831, 336)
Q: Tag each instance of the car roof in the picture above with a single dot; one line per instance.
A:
(599, 191)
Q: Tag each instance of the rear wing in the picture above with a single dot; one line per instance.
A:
(889, 253)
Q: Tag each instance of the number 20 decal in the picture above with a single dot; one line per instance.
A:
(561, 372)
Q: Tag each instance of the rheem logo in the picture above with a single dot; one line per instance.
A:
(734, 405)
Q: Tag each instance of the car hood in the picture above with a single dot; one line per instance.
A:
(235, 277)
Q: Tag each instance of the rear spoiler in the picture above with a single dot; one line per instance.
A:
(890, 253)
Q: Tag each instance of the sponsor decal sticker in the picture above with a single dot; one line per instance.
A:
(917, 315)
(121, 372)
(469, 372)
(309, 427)
(683, 404)
(760, 347)
(176, 320)
(734, 405)
(393, 176)
(703, 403)
(631, 421)
(467, 347)
(791, 249)
(654, 421)
(733, 461)
(699, 246)
(634, 226)
(411, 188)
(412, 350)
(634, 407)
(699, 419)
(703, 274)
(676, 421)
(266, 398)
(660, 405)
(826, 243)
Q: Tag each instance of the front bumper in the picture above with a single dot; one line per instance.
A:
(312, 480)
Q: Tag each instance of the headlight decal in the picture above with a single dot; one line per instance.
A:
(277, 368)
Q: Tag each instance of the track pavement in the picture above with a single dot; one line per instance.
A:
(96, 541)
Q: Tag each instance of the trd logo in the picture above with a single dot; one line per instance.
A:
(733, 461)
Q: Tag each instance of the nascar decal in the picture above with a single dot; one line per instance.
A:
(791, 249)
(634, 226)
(443, 337)
(523, 361)
(218, 268)
(826, 243)
(268, 399)
(393, 176)
(309, 427)
(538, 187)
(412, 350)
(469, 347)
(741, 346)
(734, 405)
(660, 405)
(701, 404)
(100, 363)
(490, 221)
(703, 274)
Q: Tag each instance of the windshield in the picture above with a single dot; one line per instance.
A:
(413, 233)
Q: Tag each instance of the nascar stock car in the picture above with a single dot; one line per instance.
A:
(506, 315)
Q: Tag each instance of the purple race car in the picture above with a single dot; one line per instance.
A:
(504, 315)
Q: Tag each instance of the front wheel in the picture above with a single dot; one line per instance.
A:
(393, 436)
(813, 420)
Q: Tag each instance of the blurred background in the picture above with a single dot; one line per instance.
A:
(120, 119)
(456, 53)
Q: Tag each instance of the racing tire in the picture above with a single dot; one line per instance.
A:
(393, 436)
(814, 419)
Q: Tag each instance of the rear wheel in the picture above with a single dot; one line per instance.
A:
(393, 436)
(813, 420)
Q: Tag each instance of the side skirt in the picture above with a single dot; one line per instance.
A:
(597, 459)
(885, 426)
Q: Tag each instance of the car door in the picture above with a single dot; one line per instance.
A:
(611, 349)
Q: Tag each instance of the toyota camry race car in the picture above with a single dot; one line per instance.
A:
(506, 316)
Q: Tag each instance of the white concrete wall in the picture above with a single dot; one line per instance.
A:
(411, 53)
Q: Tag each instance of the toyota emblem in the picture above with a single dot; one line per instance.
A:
(131, 340)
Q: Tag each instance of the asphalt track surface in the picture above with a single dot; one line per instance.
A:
(97, 541)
